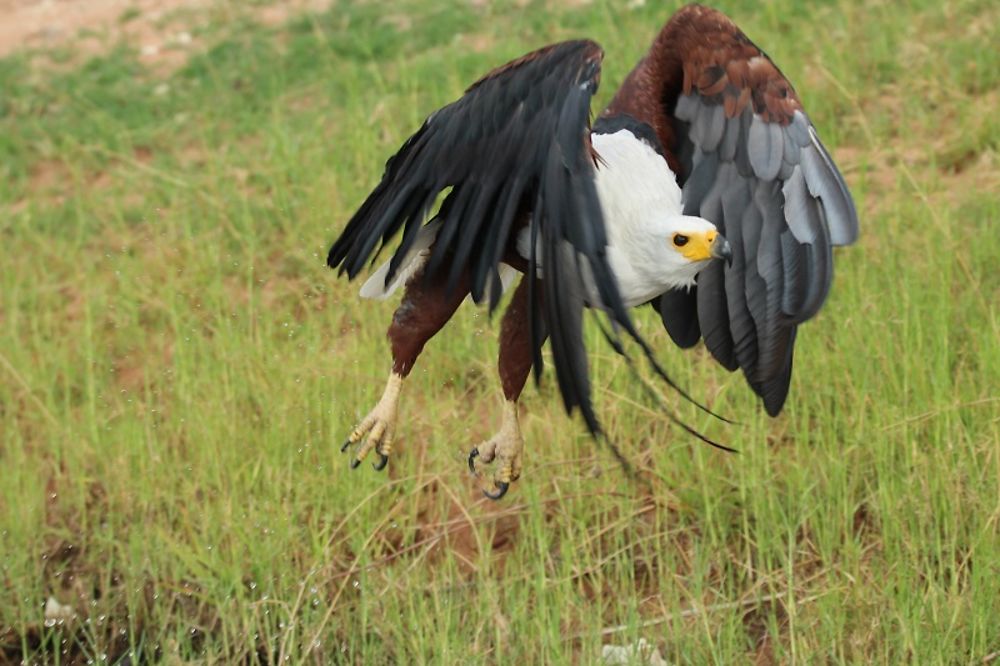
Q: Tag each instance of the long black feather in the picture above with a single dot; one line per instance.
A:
(516, 143)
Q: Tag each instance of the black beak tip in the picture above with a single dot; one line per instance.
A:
(724, 250)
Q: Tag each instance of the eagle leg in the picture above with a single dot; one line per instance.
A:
(507, 445)
(379, 426)
(506, 448)
(426, 307)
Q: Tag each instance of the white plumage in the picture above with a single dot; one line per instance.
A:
(642, 210)
(376, 288)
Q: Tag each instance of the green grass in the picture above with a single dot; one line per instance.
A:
(178, 370)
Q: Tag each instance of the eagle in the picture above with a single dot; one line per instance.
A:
(702, 189)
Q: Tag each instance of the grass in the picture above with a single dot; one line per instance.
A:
(179, 369)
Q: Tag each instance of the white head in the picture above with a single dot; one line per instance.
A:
(653, 246)
(682, 245)
(662, 252)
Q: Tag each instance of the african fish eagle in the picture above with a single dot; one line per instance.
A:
(704, 154)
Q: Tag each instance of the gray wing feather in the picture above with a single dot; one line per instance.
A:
(793, 265)
(700, 182)
(727, 151)
(798, 129)
(776, 195)
(687, 108)
(798, 211)
(737, 208)
(743, 162)
(826, 183)
(710, 125)
(713, 315)
(773, 334)
(765, 148)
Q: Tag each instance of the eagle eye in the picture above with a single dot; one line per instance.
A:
(680, 240)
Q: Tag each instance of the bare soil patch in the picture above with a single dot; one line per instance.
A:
(162, 30)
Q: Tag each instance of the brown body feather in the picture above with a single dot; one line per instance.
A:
(701, 50)
(426, 307)
(428, 304)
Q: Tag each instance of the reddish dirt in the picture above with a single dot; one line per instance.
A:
(162, 30)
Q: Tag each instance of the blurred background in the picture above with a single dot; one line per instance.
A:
(178, 368)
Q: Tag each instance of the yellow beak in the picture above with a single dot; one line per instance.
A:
(706, 245)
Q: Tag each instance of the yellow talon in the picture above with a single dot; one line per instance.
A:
(506, 446)
(379, 426)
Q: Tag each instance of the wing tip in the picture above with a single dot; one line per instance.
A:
(773, 406)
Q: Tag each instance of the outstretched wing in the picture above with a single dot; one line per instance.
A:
(517, 143)
(749, 160)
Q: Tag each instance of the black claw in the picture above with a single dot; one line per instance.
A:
(472, 459)
(501, 491)
(355, 463)
(382, 462)
(345, 446)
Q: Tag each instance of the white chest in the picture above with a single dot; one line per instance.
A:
(637, 189)
(641, 203)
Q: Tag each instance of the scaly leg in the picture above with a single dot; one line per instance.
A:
(506, 447)
(426, 307)
(379, 425)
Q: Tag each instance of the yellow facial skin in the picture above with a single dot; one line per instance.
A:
(695, 246)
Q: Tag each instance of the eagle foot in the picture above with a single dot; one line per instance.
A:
(377, 429)
(505, 449)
